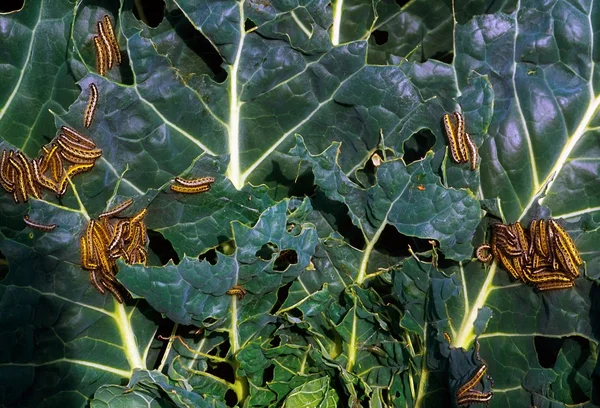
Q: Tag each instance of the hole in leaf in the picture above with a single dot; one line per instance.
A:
(268, 374)
(197, 43)
(209, 321)
(164, 329)
(227, 247)
(3, 267)
(547, 349)
(11, 5)
(249, 25)
(402, 3)
(266, 251)
(230, 398)
(210, 256)
(286, 258)
(380, 36)
(162, 247)
(286, 183)
(150, 12)
(223, 349)
(366, 175)
(417, 146)
(282, 294)
(275, 342)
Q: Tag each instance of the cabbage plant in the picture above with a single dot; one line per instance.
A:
(336, 205)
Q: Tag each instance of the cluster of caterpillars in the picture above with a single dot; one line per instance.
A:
(468, 393)
(25, 177)
(107, 47)
(462, 147)
(545, 256)
(109, 238)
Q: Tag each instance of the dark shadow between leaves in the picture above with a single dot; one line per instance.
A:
(547, 350)
(282, 294)
(198, 43)
(443, 56)
(162, 247)
(281, 186)
(395, 244)
(336, 214)
(3, 267)
(151, 13)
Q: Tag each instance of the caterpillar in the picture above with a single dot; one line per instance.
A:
(117, 209)
(72, 171)
(554, 285)
(237, 291)
(100, 56)
(36, 225)
(461, 137)
(452, 139)
(77, 137)
(90, 109)
(474, 397)
(479, 253)
(477, 376)
(41, 179)
(190, 190)
(195, 182)
(107, 45)
(110, 32)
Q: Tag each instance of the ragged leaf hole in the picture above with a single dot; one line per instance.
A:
(230, 398)
(209, 321)
(266, 251)
(417, 146)
(282, 294)
(286, 258)
(366, 175)
(11, 5)
(275, 341)
(380, 37)
(210, 256)
(249, 25)
(268, 374)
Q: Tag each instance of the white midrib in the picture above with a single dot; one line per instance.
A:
(129, 341)
(337, 22)
(29, 54)
(234, 172)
